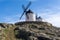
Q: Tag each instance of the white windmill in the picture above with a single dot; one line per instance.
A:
(30, 16)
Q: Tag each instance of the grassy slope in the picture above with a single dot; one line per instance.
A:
(8, 33)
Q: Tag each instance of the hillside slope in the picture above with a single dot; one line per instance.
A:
(29, 31)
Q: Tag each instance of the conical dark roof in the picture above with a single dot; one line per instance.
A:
(29, 11)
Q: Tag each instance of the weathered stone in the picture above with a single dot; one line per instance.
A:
(33, 30)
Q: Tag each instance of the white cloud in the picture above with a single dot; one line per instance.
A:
(54, 19)
(51, 17)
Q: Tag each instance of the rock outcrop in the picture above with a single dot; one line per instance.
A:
(29, 31)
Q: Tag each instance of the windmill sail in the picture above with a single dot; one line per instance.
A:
(25, 9)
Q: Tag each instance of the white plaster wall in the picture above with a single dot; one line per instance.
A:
(32, 17)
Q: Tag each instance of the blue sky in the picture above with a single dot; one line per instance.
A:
(49, 10)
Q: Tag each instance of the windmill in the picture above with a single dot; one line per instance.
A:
(30, 16)
(25, 9)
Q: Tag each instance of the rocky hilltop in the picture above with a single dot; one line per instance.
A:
(29, 31)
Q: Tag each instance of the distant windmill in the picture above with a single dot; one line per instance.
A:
(30, 16)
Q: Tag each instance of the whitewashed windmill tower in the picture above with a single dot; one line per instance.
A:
(30, 16)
